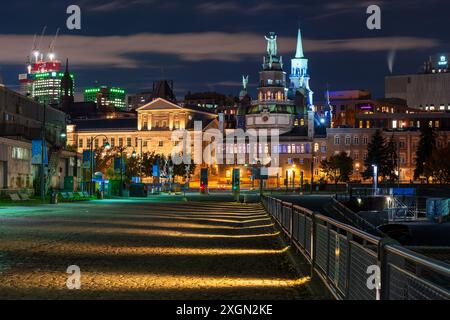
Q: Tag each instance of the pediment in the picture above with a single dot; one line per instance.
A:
(159, 104)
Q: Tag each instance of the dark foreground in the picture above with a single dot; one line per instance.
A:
(145, 250)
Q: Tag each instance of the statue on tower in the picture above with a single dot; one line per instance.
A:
(272, 49)
(245, 82)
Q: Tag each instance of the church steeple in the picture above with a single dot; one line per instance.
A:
(299, 53)
(67, 98)
(299, 74)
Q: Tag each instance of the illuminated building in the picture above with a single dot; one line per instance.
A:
(299, 78)
(47, 86)
(43, 81)
(106, 97)
(272, 109)
(428, 91)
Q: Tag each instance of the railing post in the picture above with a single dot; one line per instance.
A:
(313, 243)
(348, 265)
(328, 251)
(292, 224)
(383, 259)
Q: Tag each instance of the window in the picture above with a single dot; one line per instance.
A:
(104, 142)
(316, 147)
(176, 143)
(96, 143)
(88, 142)
(402, 158)
(337, 140)
(402, 144)
(128, 141)
(80, 143)
(324, 149)
(21, 153)
(120, 142)
(356, 155)
(160, 143)
(113, 142)
(394, 124)
(356, 140)
(348, 140)
(365, 140)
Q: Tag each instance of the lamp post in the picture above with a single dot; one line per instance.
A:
(43, 146)
(375, 178)
(107, 146)
(134, 155)
(312, 171)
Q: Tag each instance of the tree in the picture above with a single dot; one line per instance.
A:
(427, 145)
(132, 167)
(376, 155)
(390, 166)
(338, 168)
(438, 165)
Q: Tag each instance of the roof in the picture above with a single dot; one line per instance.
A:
(120, 124)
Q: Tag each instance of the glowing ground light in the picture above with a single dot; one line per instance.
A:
(108, 281)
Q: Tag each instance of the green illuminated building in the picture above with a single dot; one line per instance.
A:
(46, 87)
(106, 96)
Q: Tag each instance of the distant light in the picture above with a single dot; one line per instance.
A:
(51, 56)
(322, 120)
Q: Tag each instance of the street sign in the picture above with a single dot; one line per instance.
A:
(36, 152)
(156, 171)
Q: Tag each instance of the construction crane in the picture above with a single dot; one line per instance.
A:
(51, 48)
(36, 49)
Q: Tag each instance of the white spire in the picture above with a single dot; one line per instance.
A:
(299, 53)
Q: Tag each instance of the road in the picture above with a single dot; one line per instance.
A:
(143, 249)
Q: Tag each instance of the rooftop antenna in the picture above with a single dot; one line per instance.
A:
(36, 51)
(51, 48)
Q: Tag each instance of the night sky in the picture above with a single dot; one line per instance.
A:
(207, 45)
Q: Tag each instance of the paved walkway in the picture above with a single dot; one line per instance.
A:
(146, 250)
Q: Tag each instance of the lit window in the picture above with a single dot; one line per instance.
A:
(337, 140)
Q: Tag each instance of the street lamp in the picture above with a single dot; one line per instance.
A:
(375, 178)
(107, 146)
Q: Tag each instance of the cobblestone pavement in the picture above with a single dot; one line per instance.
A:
(146, 250)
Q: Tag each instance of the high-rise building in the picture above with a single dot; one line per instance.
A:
(106, 97)
(428, 91)
(43, 81)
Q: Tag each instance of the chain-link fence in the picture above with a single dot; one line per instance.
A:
(356, 265)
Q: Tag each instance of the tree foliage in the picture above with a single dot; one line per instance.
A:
(389, 169)
(376, 155)
(427, 145)
(438, 165)
(338, 168)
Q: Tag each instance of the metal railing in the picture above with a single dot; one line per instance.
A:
(344, 258)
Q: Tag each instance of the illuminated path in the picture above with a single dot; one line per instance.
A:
(147, 250)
